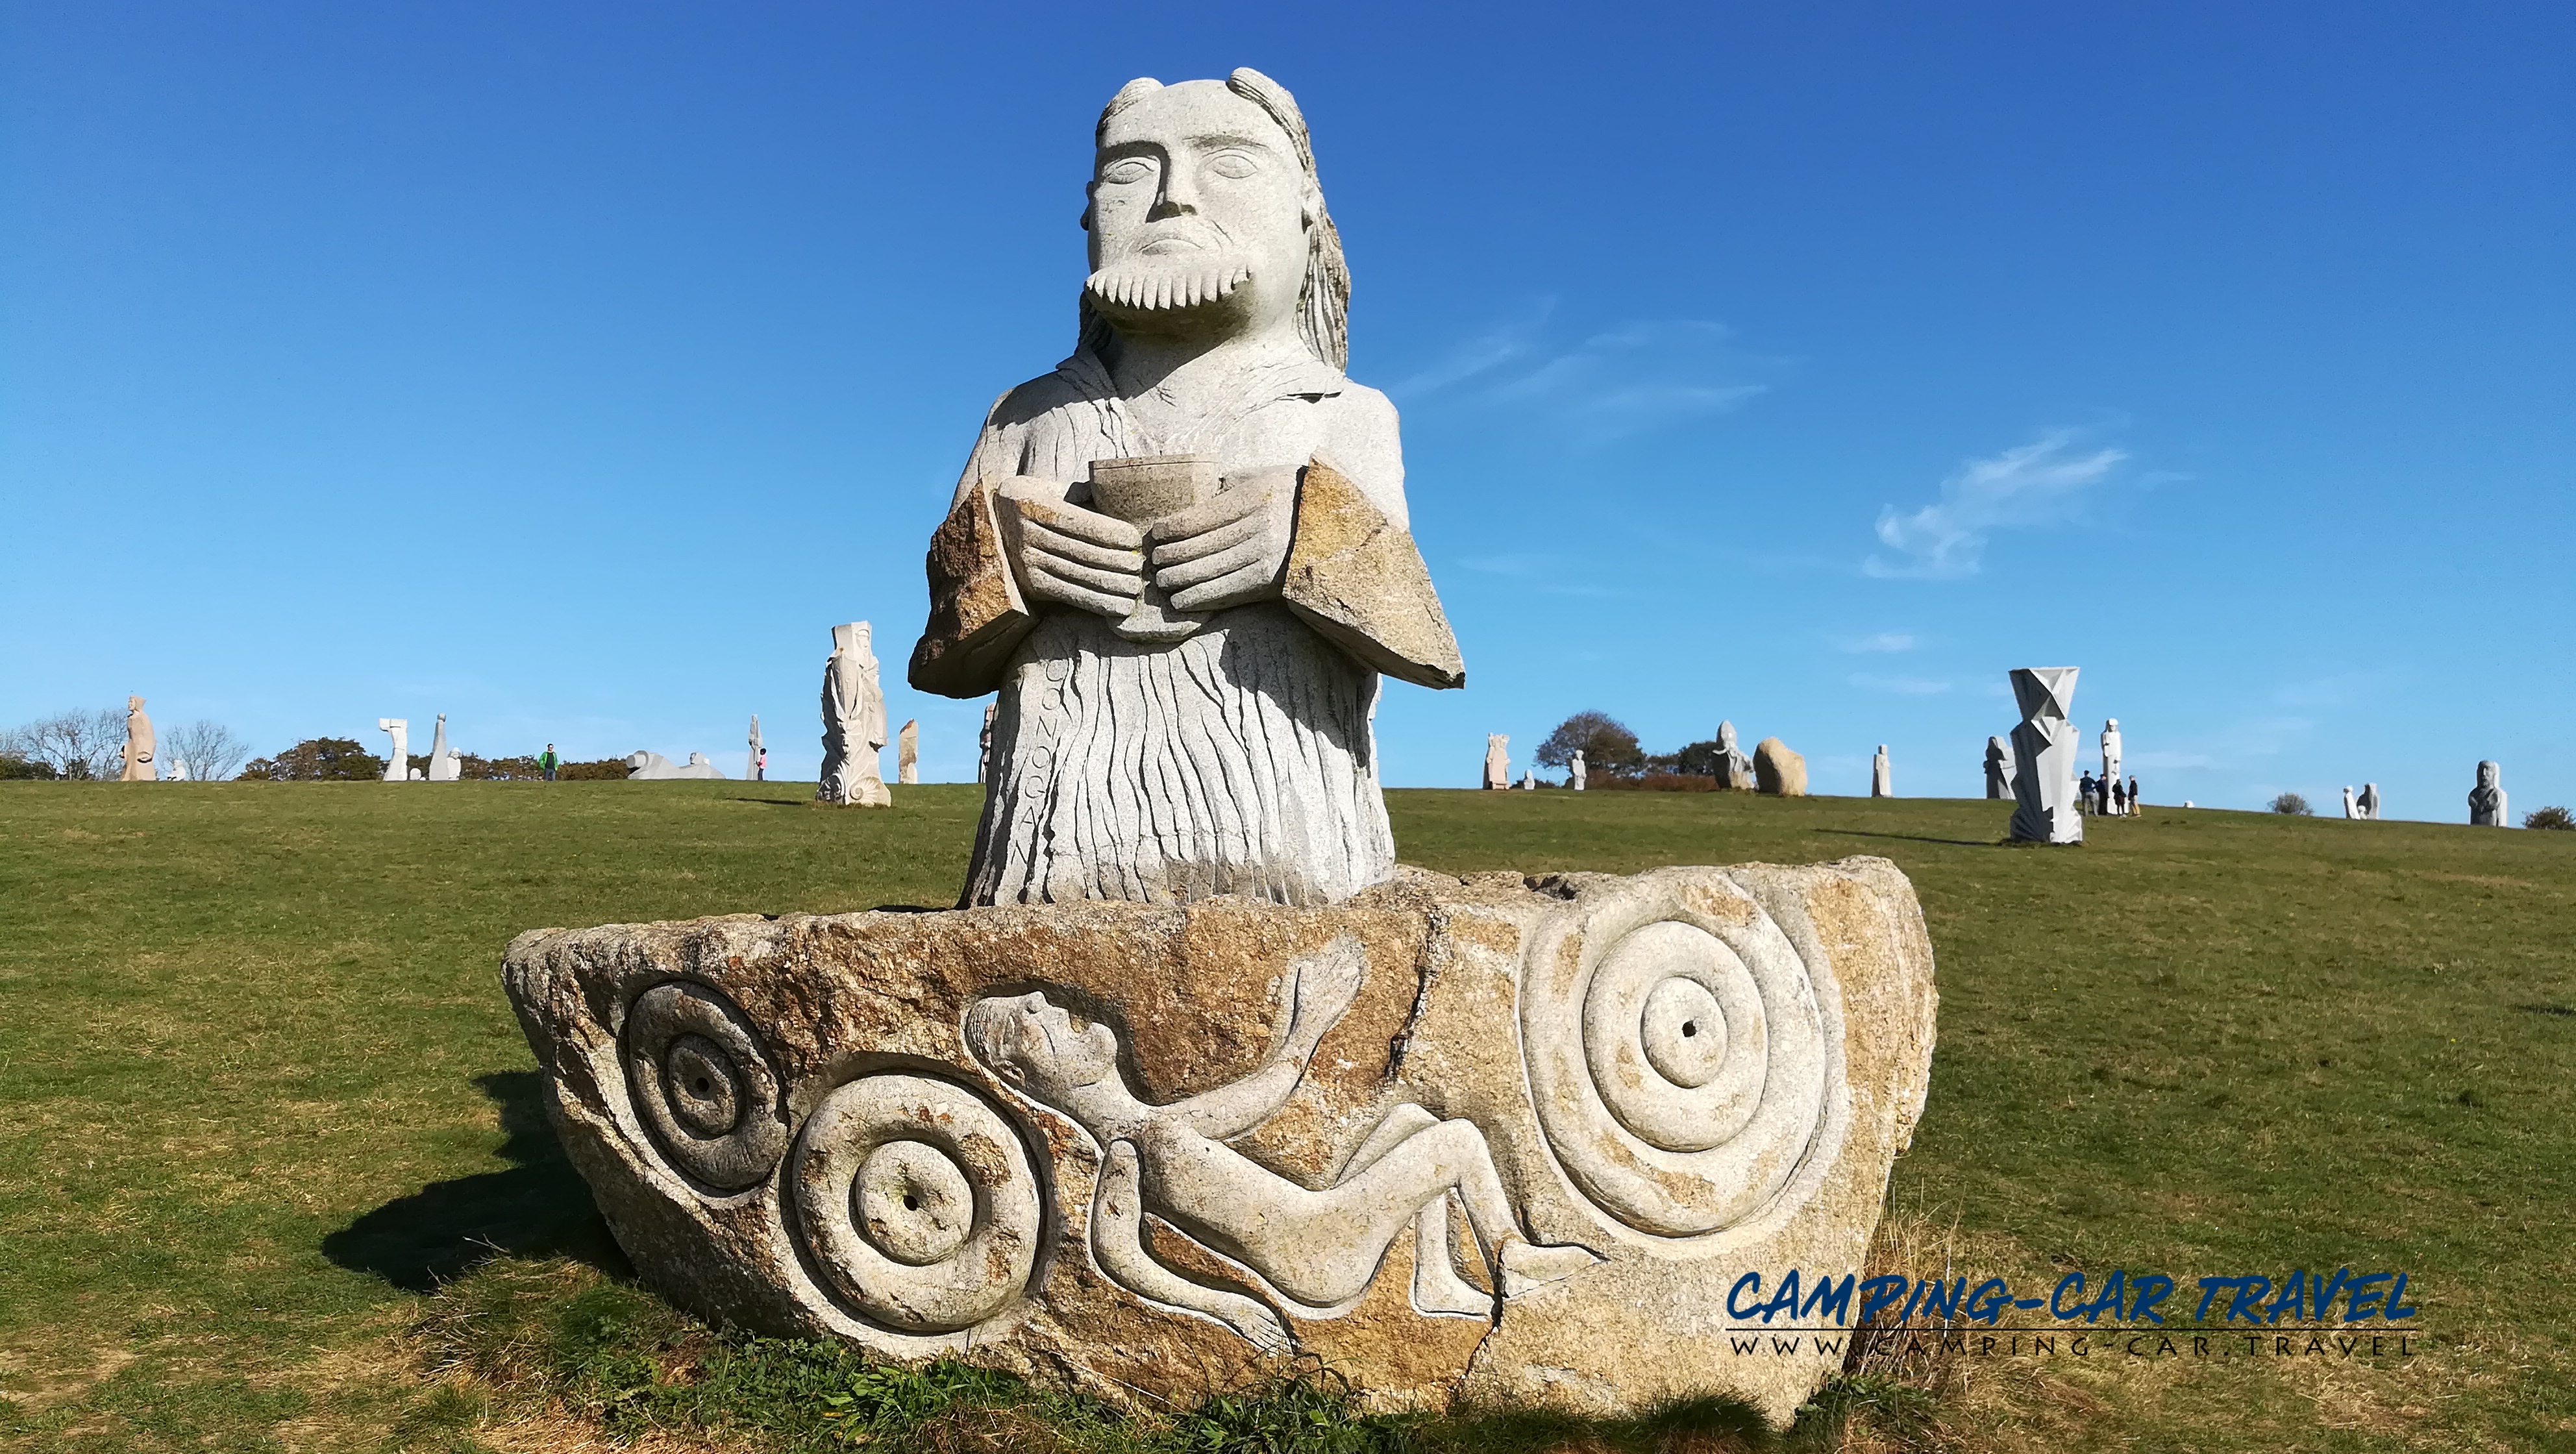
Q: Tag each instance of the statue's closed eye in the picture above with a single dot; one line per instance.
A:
(1234, 164)
(1128, 169)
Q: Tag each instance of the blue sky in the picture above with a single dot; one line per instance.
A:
(570, 369)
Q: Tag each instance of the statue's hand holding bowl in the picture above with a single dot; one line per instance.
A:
(1231, 549)
(1068, 555)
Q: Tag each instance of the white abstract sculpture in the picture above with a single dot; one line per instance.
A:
(1498, 760)
(1999, 769)
(1734, 766)
(907, 754)
(1882, 784)
(443, 764)
(139, 745)
(854, 723)
(2351, 807)
(2486, 800)
(398, 762)
(2110, 763)
(756, 758)
(1576, 771)
(1183, 557)
(2045, 809)
(2369, 802)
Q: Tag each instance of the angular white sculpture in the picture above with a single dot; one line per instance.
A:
(654, 767)
(2486, 800)
(1183, 557)
(854, 723)
(1734, 765)
(398, 758)
(907, 756)
(756, 756)
(140, 743)
(1576, 771)
(2110, 763)
(1999, 769)
(2368, 803)
(1882, 783)
(1498, 760)
(2045, 808)
(443, 764)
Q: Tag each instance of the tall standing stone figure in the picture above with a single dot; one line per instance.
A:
(2110, 756)
(2045, 809)
(1183, 557)
(140, 744)
(756, 756)
(984, 745)
(2486, 800)
(1576, 772)
(398, 762)
(1882, 783)
(854, 723)
(1999, 769)
(1498, 760)
(1734, 768)
(907, 753)
(443, 764)
(2368, 803)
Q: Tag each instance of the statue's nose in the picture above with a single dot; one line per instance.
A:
(1179, 196)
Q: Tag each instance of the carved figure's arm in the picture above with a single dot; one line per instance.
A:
(1118, 1244)
(1325, 986)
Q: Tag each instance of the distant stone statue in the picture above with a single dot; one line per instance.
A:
(1575, 768)
(397, 764)
(443, 764)
(984, 744)
(2044, 757)
(756, 757)
(1529, 780)
(2486, 800)
(1777, 770)
(139, 745)
(654, 767)
(1734, 769)
(2351, 805)
(1882, 783)
(854, 723)
(2110, 757)
(1498, 760)
(1999, 769)
(907, 754)
(2368, 803)
(178, 770)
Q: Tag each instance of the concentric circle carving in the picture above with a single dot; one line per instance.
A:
(1678, 1058)
(703, 1087)
(918, 1203)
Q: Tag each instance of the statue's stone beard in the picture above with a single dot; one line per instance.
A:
(1147, 284)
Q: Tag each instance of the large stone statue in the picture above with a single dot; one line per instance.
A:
(1882, 783)
(2486, 800)
(2046, 810)
(1182, 557)
(1197, 1079)
(139, 745)
(756, 755)
(1498, 760)
(1576, 772)
(2110, 759)
(2351, 805)
(1734, 769)
(654, 767)
(2369, 802)
(1999, 769)
(907, 753)
(854, 723)
(444, 767)
(398, 761)
(1779, 770)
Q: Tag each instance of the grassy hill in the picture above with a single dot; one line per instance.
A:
(260, 1096)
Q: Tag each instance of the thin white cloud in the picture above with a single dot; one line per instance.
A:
(2032, 484)
(1878, 641)
(1902, 686)
(1617, 382)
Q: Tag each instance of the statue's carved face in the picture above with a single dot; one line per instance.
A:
(1035, 1043)
(1198, 215)
(2486, 775)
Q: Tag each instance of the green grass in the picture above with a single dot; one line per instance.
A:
(260, 1095)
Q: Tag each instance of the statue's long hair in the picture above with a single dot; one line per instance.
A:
(1324, 300)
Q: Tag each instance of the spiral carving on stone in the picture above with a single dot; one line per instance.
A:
(703, 1086)
(916, 1199)
(1678, 1059)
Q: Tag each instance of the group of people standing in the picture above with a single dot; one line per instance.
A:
(2107, 795)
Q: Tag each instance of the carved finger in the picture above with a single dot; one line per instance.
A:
(1180, 578)
(1048, 588)
(1207, 542)
(1250, 583)
(1038, 537)
(1227, 507)
(1082, 524)
(1082, 577)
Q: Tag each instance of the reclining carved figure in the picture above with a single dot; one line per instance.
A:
(1319, 1248)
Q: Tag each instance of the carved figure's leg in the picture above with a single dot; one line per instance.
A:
(1437, 1287)
(1118, 1242)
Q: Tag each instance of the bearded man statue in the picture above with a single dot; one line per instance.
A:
(1182, 559)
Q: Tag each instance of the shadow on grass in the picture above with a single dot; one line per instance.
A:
(537, 1208)
(1908, 837)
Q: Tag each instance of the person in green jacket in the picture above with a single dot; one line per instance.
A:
(549, 762)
